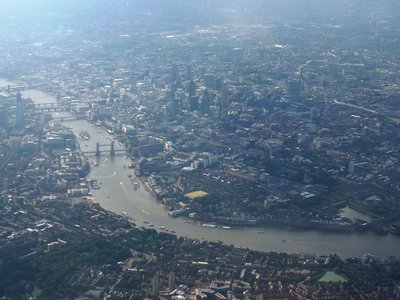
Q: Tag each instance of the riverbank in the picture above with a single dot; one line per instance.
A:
(273, 222)
(117, 195)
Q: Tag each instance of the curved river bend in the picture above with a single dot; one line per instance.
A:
(117, 194)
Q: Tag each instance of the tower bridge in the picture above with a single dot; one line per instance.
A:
(100, 149)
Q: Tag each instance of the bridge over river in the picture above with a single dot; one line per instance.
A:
(52, 107)
(100, 149)
(117, 194)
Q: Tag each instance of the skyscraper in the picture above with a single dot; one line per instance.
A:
(171, 281)
(351, 166)
(174, 73)
(205, 102)
(174, 107)
(19, 113)
(5, 187)
(3, 116)
(224, 97)
(155, 286)
(224, 101)
(191, 96)
(188, 72)
(194, 103)
(191, 89)
(209, 81)
(219, 83)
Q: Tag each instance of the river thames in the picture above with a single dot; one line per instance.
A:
(117, 194)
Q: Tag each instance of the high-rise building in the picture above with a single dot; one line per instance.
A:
(155, 287)
(194, 103)
(219, 83)
(19, 114)
(171, 92)
(188, 72)
(3, 116)
(171, 281)
(191, 92)
(351, 166)
(307, 176)
(205, 102)
(5, 187)
(174, 73)
(224, 101)
(246, 295)
(209, 81)
(229, 295)
(224, 97)
(175, 107)
(191, 89)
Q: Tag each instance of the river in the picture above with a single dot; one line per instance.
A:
(117, 194)
(5, 83)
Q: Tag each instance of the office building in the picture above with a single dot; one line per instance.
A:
(171, 281)
(3, 116)
(155, 287)
(351, 166)
(5, 187)
(188, 72)
(174, 73)
(209, 81)
(205, 102)
(194, 103)
(191, 89)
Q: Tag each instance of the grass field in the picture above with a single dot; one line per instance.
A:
(196, 194)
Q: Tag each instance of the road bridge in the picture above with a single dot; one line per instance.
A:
(70, 118)
(52, 107)
(19, 87)
(111, 149)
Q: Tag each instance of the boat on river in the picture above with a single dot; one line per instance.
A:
(209, 225)
(135, 182)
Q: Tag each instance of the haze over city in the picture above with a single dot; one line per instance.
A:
(199, 149)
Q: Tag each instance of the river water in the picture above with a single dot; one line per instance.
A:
(5, 83)
(117, 194)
